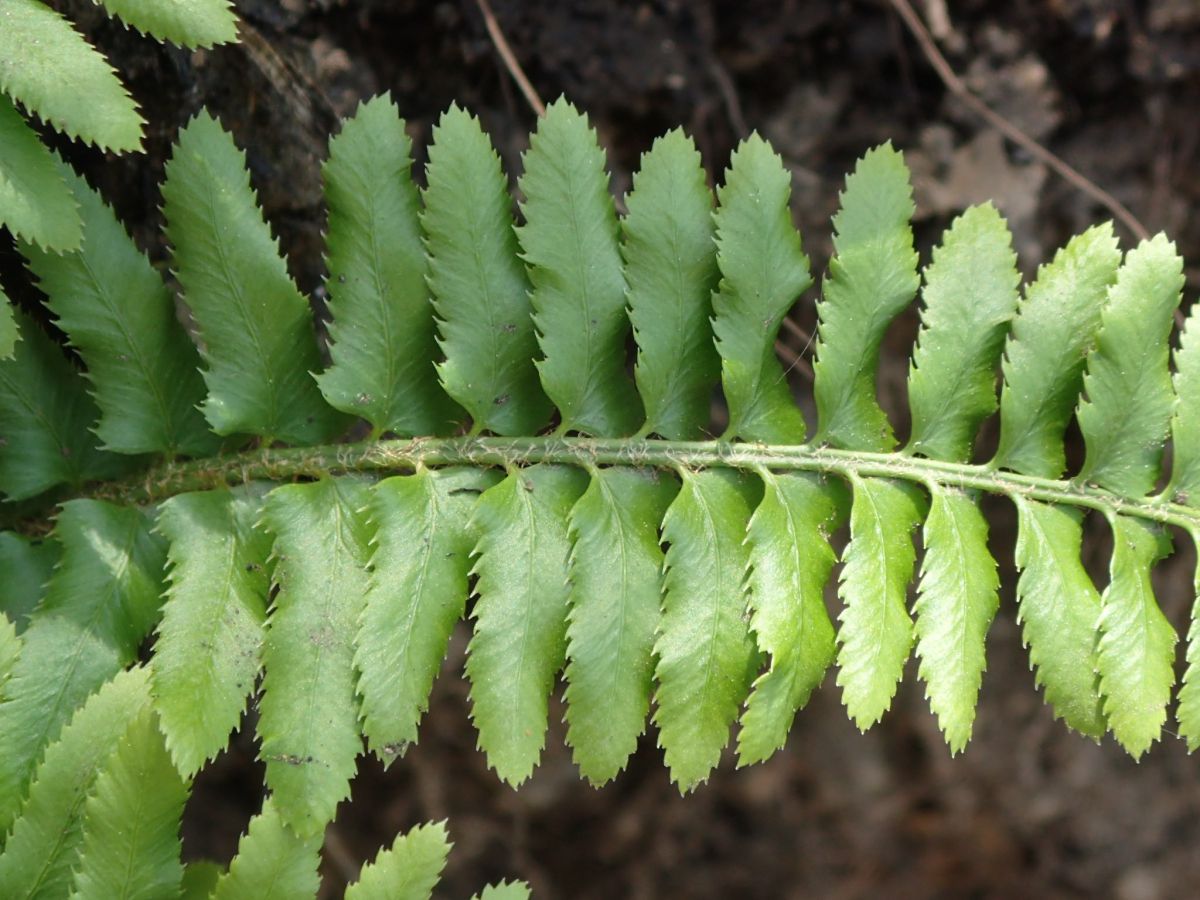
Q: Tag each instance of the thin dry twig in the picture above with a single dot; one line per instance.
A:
(729, 94)
(798, 332)
(959, 88)
(794, 360)
(509, 58)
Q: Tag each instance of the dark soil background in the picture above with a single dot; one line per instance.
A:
(1028, 810)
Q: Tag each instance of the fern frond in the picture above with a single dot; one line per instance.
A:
(99, 605)
(706, 655)
(255, 325)
(671, 271)
(615, 595)
(207, 652)
(47, 67)
(185, 23)
(763, 271)
(130, 845)
(790, 561)
(35, 203)
(478, 282)
(308, 714)
(120, 316)
(44, 845)
(569, 241)
(416, 592)
(408, 870)
(872, 278)
(660, 565)
(382, 335)
(273, 862)
(519, 639)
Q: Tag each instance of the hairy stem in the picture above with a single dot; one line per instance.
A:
(396, 456)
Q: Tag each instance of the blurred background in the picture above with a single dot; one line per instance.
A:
(1111, 87)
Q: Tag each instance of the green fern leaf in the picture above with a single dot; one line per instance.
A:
(120, 316)
(26, 566)
(1059, 609)
(956, 602)
(47, 67)
(99, 605)
(569, 241)
(416, 592)
(671, 270)
(408, 870)
(615, 596)
(308, 714)
(1137, 643)
(763, 271)
(969, 298)
(255, 325)
(206, 656)
(382, 331)
(505, 890)
(790, 561)
(273, 862)
(45, 413)
(10, 648)
(185, 23)
(520, 616)
(876, 633)
(35, 203)
(706, 655)
(371, 572)
(1055, 327)
(130, 846)
(478, 282)
(1128, 405)
(45, 842)
(872, 278)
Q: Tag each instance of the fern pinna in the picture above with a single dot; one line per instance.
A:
(510, 454)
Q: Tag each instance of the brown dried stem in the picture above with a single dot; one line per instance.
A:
(959, 88)
(509, 58)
